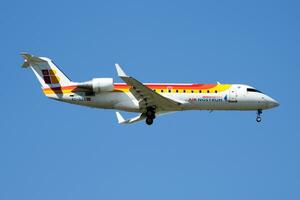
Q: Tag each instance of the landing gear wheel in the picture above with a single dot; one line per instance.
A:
(149, 121)
(258, 119)
(150, 113)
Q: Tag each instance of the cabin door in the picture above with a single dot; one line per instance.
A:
(232, 95)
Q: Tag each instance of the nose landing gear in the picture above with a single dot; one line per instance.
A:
(258, 117)
(150, 116)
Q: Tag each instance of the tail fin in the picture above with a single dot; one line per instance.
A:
(45, 70)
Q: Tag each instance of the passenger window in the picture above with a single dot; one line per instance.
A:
(176, 91)
(216, 91)
(169, 91)
(161, 91)
(192, 91)
(183, 91)
(207, 91)
(200, 91)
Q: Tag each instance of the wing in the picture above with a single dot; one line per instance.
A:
(121, 120)
(146, 96)
(138, 118)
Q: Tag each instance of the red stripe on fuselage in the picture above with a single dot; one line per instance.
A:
(173, 86)
(150, 85)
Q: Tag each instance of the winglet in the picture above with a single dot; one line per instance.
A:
(121, 120)
(120, 71)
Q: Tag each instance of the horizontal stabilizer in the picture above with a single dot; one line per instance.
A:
(26, 64)
(26, 57)
(29, 59)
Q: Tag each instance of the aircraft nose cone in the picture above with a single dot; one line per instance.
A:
(276, 103)
(273, 103)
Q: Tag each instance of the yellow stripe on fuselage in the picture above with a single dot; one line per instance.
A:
(163, 88)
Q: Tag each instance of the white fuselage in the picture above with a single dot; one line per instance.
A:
(235, 98)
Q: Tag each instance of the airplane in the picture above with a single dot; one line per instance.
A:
(148, 99)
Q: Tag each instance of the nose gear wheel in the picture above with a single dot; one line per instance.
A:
(258, 117)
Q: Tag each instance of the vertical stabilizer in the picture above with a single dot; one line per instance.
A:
(45, 70)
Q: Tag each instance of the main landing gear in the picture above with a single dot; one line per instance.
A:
(150, 116)
(258, 117)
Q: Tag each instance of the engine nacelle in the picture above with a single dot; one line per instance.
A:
(102, 85)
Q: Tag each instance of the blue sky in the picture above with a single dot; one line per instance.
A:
(51, 150)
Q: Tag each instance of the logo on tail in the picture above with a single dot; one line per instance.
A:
(50, 77)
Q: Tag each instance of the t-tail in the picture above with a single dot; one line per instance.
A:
(46, 71)
(55, 83)
(48, 74)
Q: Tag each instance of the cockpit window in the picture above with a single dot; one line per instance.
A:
(253, 90)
